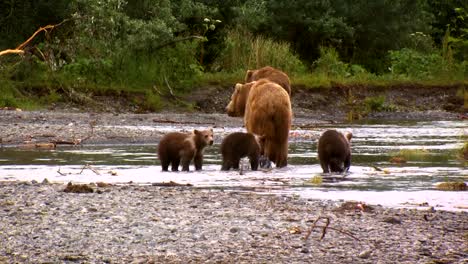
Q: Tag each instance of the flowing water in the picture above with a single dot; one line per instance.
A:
(429, 148)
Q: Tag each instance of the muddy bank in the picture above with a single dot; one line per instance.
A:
(400, 102)
(147, 224)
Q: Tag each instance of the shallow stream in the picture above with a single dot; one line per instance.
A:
(429, 148)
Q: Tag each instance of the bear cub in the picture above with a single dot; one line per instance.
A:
(334, 151)
(238, 145)
(175, 148)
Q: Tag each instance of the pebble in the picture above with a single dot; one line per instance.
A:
(128, 224)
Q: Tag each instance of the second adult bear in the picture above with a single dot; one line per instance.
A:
(238, 145)
(271, 74)
(334, 151)
(266, 109)
(175, 148)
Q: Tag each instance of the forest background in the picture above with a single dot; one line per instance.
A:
(154, 48)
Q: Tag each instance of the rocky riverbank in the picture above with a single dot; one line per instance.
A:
(150, 224)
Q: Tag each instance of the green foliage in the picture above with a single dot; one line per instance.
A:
(415, 64)
(163, 46)
(375, 104)
(19, 19)
(152, 102)
(330, 64)
(244, 51)
(362, 31)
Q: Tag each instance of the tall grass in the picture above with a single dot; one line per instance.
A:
(245, 51)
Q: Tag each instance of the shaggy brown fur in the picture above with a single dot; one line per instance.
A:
(271, 74)
(267, 112)
(238, 145)
(334, 151)
(175, 148)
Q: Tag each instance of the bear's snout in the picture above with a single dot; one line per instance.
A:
(211, 142)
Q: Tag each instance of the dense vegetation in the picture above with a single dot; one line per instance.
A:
(160, 47)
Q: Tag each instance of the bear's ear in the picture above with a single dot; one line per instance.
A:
(348, 136)
(248, 75)
(196, 132)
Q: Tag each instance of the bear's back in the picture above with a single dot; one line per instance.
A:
(333, 144)
(271, 74)
(171, 144)
(240, 143)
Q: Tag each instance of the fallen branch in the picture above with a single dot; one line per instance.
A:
(20, 48)
(11, 51)
(180, 122)
(61, 173)
(325, 227)
(87, 166)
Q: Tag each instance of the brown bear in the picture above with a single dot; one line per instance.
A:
(334, 151)
(236, 106)
(175, 148)
(266, 108)
(271, 74)
(238, 145)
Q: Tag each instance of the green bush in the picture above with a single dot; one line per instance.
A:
(375, 104)
(244, 51)
(418, 65)
(329, 63)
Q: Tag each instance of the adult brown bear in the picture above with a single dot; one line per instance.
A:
(266, 108)
(271, 74)
(238, 145)
(334, 151)
(175, 148)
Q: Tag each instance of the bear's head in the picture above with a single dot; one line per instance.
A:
(265, 72)
(236, 106)
(203, 138)
(249, 76)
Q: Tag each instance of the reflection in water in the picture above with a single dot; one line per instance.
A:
(372, 178)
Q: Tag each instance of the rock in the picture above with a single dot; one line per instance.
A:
(452, 186)
(365, 254)
(78, 188)
(392, 220)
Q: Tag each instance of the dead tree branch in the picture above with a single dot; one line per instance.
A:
(20, 48)
(325, 227)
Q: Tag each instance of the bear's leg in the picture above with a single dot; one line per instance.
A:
(253, 162)
(198, 160)
(164, 164)
(235, 163)
(335, 165)
(347, 163)
(226, 165)
(185, 163)
(175, 164)
(324, 165)
(281, 155)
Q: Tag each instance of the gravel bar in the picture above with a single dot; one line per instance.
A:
(40, 223)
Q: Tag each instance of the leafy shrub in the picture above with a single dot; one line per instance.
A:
(375, 104)
(152, 102)
(244, 51)
(416, 64)
(329, 63)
